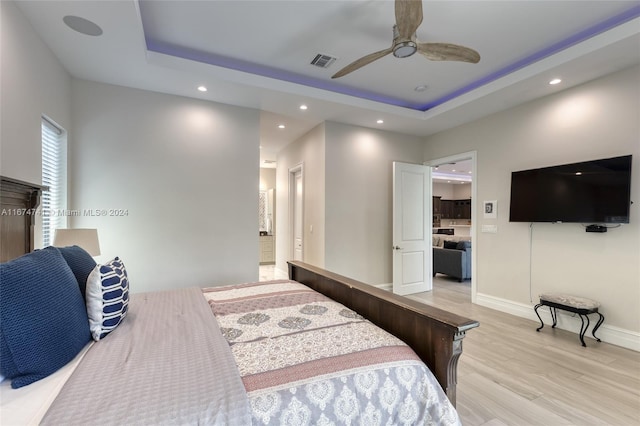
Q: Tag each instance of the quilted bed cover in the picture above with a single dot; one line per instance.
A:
(305, 359)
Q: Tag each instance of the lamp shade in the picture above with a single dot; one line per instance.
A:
(85, 238)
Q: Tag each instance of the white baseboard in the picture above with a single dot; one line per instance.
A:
(566, 321)
(386, 286)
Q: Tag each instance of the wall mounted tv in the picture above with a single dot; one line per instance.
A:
(589, 192)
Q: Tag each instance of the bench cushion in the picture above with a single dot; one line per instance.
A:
(570, 300)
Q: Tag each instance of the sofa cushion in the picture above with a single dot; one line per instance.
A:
(43, 316)
(452, 245)
(463, 245)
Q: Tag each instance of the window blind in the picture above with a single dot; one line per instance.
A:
(54, 175)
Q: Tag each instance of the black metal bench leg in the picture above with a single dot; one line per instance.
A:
(598, 324)
(554, 316)
(583, 328)
(536, 311)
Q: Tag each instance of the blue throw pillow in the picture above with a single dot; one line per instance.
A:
(43, 319)
(451, 245)
(107, 297)
(81, 264)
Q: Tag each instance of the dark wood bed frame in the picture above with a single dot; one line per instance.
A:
(434, 334)
(18, 203)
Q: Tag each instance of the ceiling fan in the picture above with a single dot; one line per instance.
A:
(408, 19)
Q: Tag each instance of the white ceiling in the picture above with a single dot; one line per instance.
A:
(257, 54)
(456, 172)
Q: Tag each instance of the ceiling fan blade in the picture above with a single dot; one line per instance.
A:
(448, 52)
(362, 62)
(408, 17)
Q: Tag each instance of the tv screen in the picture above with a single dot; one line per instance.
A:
(589, 192)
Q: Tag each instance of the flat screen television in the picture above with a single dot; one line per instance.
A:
(596, 191)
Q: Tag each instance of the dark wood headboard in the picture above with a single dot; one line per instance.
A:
(434, 334)
(18, 203)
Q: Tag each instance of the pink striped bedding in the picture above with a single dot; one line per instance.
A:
(305, 359)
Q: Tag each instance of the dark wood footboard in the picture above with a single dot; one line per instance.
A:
(434, 334)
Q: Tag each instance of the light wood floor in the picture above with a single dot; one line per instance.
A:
(509, 374)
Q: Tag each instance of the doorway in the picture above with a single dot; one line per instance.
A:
(449, 178)
(266, 219)
(296, 211)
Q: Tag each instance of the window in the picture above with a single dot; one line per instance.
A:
(54, 175)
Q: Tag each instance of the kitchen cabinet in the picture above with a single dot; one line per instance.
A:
(267, 249)
(436, 205)
(462, 209)
(446, 209)
(455, 209)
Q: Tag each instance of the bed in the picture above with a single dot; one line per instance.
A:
(316, 349)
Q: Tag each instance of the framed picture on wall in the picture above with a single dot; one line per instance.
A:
(490, 209)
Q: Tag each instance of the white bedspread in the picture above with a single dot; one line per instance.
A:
(167, 363)
(28, 405)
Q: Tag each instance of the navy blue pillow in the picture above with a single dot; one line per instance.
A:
(451, 245)
(81, 264)
(43, 319)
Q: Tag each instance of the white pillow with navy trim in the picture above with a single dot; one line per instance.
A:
(107, 296)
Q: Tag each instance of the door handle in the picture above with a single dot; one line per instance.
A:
(396, 248)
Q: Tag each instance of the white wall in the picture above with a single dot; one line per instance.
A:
(309, 151)
(444, 190)
(358, 199)
(599, 119)
(267, 178)
(461, 191)
(186, 173)
(32, 83)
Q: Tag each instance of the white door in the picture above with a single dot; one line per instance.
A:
(297, 215)
(412, 261)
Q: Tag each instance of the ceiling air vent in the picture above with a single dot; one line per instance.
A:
(323, 61)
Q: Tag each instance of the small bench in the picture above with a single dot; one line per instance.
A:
(578, 305)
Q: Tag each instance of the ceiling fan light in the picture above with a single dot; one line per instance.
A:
(404, 49)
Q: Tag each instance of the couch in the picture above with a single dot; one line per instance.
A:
(453, 259)
(439, 239)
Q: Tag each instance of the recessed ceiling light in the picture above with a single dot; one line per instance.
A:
(578, 173)
(555, 81)
(470, 172)
(202, 88)
(82, 25)
(303, 107)
(280, 126)
(453, 170)
(380, 121)
(421, 88)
